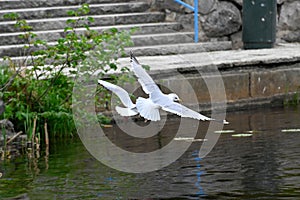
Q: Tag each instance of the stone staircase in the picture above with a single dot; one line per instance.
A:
(154, 36)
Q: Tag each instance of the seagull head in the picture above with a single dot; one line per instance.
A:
(174, 97)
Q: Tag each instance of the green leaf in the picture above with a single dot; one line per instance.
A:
(114, 30)
(113, 66)
(91, 19)
(11, 16)
(146, 67)
(71, 13)
(71, 21)
(68, 28)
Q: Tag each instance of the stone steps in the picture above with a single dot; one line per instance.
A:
(163, 38)
(153, 36)
(182, 48)
(138, 40)
(152, 50)
(54, 35)
(100, 20)
(17, 4)
(61, 11)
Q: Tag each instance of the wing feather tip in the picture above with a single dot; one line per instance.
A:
(133, 58)
(126, 112)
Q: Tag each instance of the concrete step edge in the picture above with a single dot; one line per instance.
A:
(163, 38)
(95, 16)
(165, 34)
(54, 35)
(281, 53)
(118, 26)
(167, 49)
(100, 20)
(10, 4)
(67, 7)
(134, 37)
(181, 48)
(61, 11)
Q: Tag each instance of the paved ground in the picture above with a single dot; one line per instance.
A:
(282, 53)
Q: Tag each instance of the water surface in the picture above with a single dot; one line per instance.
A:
(265, 165)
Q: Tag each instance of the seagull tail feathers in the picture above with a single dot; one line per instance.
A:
(126, 112)
(147, 109)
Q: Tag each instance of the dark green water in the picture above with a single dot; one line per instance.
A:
(263, 166)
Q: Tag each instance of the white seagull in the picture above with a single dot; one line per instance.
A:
(130, 109)
(149, 108)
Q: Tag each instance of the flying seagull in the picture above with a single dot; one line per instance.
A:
(149, 108)
(130, 109)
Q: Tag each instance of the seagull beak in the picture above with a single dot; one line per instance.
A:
(179, 100)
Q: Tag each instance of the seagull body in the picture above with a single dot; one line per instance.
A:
(149, 108)
(130, 107)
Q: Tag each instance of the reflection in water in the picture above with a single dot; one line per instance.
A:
(198, 173)
(263, 166)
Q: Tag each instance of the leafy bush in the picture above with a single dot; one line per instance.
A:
(40, 88)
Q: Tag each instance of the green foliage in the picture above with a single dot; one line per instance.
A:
(43, 88)
(293, 100)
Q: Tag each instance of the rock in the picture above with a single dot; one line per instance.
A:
(290, 16)
(169, 5)
(2, 107)
(7, 128)
(283, 1)
(289, 21)
(236, 39)
(237, 2)
(204, 6)
(223, 21)
(291, 36)
(280, 1)
(187, 22)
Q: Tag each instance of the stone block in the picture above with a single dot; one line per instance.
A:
(268, 83)
(236, 87)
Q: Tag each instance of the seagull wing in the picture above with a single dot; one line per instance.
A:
(120, 92)
(183, 111)
(148, 85)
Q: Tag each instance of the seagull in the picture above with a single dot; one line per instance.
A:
(130, 109)
(149, 107)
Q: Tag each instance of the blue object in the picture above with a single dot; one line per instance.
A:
(195, 10)
(198, 173)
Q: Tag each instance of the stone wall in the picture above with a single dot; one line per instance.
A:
(251, 78)
(221, 20)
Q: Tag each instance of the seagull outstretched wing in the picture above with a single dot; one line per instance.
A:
(147, 83)
(120, 92)
(183, 111)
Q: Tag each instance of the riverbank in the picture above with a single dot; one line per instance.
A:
(250, 77)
